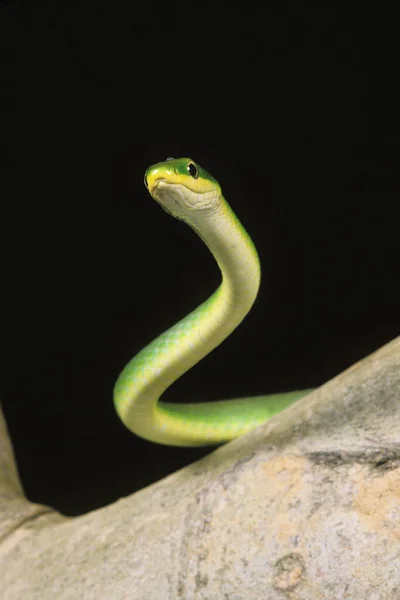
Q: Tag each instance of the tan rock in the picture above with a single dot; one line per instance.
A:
(306, 507)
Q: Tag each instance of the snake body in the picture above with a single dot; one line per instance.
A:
(187, 192)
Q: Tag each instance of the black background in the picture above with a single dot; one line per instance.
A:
(292, 109)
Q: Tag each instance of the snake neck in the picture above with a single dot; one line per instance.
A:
(238, 261)
(169, 356)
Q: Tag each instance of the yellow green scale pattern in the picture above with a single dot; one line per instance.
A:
(165, 359)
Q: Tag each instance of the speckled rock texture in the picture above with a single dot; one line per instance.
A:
(306, 507)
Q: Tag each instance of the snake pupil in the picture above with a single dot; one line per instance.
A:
(193, 171)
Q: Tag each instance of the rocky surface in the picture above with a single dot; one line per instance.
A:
(306, 507)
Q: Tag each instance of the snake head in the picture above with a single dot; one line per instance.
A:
(183, 188)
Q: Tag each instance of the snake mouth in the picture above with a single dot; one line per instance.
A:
(153, 186)
(161, 192)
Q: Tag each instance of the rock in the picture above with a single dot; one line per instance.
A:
(305, 507)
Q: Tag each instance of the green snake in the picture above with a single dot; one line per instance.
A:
(187, 192)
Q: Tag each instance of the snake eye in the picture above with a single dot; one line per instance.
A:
(193, 170)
